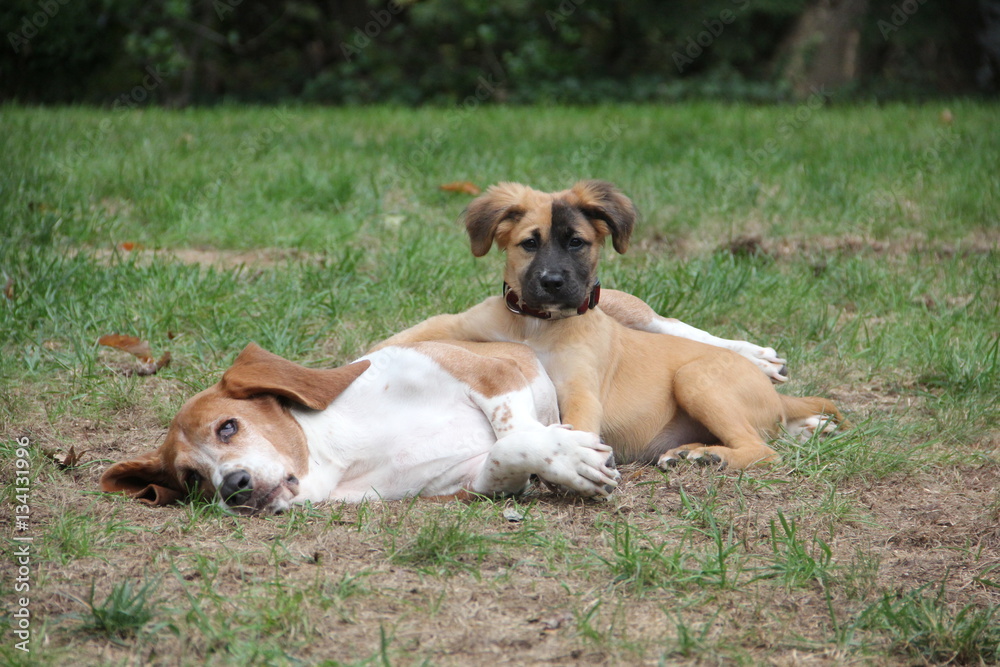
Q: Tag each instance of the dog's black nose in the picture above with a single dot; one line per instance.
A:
(551, 282)
(237, 487)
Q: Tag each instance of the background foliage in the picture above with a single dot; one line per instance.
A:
(408, 52)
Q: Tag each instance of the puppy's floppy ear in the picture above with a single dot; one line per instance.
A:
(482, 217)
(144, 478)
(602, 201)
(257, 371)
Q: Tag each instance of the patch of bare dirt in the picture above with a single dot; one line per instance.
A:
(262, 258)
(757, 244)
(554, 604)
(851, 244)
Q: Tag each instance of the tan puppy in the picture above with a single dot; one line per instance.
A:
(652, 397)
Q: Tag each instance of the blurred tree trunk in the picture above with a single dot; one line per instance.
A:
(198, 55)
(821, 51)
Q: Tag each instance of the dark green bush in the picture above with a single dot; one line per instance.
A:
(407, 52)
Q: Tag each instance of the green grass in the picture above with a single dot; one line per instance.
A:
(126, 610)
(925, 627)
(73, 535)
(860, 242)
(448, 542)
(793, 562)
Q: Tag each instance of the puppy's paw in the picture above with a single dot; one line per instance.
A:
(701, 456)
(804, 429)
(719, 456)
(764, 358)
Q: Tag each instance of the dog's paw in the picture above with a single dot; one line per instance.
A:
(719, 456)
(580, 462)
(700, 456)
(764, 358)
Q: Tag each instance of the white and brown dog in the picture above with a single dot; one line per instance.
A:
(429, 419)
(654, 398)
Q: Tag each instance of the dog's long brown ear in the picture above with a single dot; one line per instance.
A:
(257, 371)
(144, 478)
(484, 214)
(602, 201)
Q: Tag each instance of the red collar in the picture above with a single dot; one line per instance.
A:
(515, 306)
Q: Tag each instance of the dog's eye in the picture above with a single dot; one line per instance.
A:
(576, 242)
(529, 244)
(227, 430)
(192, 479)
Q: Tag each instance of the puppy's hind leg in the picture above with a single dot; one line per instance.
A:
(743, 450)
(807, 416)
(736, 405)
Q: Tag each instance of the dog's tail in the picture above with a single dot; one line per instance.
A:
(797, 408)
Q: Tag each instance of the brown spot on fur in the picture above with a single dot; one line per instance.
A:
(491, 369)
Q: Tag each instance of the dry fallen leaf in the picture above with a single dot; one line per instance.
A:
(8, 290)
(462, 186)
(138, 348)
(130, 344)
(163, 362)
(70, 459)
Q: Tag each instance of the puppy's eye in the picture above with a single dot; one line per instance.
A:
(227, 430)
(576, 242)
(529, 244)
(192, 479)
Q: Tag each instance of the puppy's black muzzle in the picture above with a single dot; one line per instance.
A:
(548, 285)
